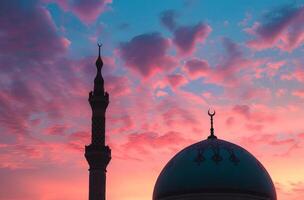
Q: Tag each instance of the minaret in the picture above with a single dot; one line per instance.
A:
(97, 153)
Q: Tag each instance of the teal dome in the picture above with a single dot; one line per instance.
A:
(214, 166)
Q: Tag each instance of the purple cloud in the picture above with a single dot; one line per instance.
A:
(176, 80)
(227, 70)
(186, 37)
(86, 10)
(243, 110)
(167, 18)
(146, 54)
(283, 28)
(28, 31)
(197, 68)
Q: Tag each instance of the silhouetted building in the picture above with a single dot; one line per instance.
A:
(211, 169)
(97, 153)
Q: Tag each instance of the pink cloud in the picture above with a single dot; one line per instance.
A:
(196, 68)
(230, 121)
(297, 190)
(186, 37)
(146, 54)
(77, 140)
(145, 142)
(58, 130)
(123, 123)
(161, 93)
(15, 115)
(87, 10)
(21, 156)
(254, 115)
(254, 127)
(298, 93)
(176, 115)
(227, 70)
(281, 92)
(253, 93)
(234, 61)
(283, 29)
(173, 81)
(276, 65)
(301, 135)
(176, 80)
(35, 98)
(117, 85)
(234, 72)
(282, 144)
(282, 141)
(297, 74)
(270, 69)
(243, 110)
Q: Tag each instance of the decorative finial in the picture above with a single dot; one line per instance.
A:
(99, 62)
(98, 81)
(99, 46)
(211, 136)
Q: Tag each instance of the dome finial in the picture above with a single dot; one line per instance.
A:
(211, 136)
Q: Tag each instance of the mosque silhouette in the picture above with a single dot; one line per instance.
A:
(212, 169)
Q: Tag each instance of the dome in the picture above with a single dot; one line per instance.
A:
(214, 169)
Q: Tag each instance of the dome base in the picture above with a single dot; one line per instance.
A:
(215, 196)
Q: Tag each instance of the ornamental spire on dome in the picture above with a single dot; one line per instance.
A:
(211, 136)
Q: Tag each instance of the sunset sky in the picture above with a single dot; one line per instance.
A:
(165, 64)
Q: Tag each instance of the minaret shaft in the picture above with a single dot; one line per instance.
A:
(97, 153)
(97, 184)
(98, 132)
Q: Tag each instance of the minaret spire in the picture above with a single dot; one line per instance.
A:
(97, 153)
(99, 82)
(99, 62)
(211, 136)
(99, 46)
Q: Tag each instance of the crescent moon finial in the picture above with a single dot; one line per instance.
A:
(211, 114)
(99, 46)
